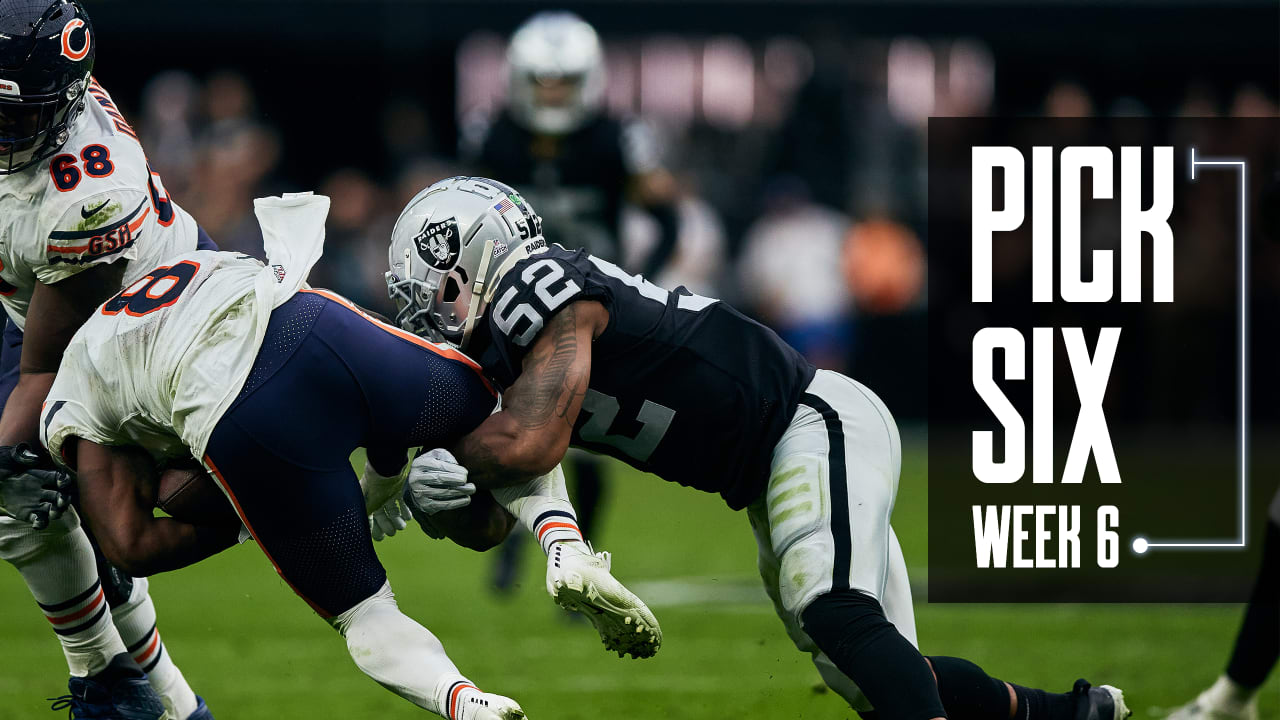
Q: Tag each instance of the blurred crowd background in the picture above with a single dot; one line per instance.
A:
(795, 133)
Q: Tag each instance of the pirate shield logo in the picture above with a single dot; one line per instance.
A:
(438, 243)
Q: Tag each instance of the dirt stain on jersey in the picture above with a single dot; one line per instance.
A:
(107, 215)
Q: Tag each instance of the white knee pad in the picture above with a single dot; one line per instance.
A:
(798, 512)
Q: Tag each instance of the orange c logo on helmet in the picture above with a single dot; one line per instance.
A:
(67, 51)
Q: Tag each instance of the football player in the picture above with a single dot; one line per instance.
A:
(578, 165)
(81, 215)
(1234, 696)
(272, 386)
(689, 389)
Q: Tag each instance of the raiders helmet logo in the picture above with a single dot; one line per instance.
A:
(438, 243)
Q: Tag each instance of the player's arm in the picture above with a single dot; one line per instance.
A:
(55, 313)
(653, 188)
(531, 433)
(118, 488)
(655, 192)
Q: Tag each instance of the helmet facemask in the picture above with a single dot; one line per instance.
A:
(35, 127)
(449, 249)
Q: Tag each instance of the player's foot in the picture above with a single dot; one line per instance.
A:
(1099, 703)
(579, 580)
(122, 698)
(1203, 708)
(201, 711)
(487, 706)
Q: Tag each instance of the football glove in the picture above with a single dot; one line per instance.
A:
(31, 490)
(437, 483)
(389, 519)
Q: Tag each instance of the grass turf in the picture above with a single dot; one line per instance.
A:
(255, 651)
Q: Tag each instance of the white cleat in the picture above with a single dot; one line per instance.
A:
(1202, 709)
(579, 580)
(487, 706)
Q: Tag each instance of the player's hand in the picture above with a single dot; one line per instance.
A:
(29, 492)
(389, 519)
(437, 483)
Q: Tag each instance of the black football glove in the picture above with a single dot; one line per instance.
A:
(32, 490)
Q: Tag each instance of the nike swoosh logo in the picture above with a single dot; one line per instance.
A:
(91, 213)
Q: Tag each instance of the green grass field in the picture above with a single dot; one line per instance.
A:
(256, 652)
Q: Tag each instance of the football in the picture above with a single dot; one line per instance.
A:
(189, 494)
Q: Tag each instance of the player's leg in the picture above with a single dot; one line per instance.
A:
(825, 518)
(578, 578)
(58, 567)
(60, 571)
(311, 524)
(1234, 696)
(857, 612)
(588, 491)
(135, 620)
(293, 487)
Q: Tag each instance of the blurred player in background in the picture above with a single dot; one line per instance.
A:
(555, 144)
(689, 389)
(81, 215)
(215, 348)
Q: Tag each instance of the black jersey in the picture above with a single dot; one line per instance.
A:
(682, 386)
(577, 181)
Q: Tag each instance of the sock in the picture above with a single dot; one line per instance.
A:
(457, 695)
(58, 567)
(136, 622)
(850, 627)
(401, 655)
(1036, 704)
(968, 692)
(543, 508)
(1258, 642)
(121, 667)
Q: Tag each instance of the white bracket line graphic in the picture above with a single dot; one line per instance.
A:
(1141, 544)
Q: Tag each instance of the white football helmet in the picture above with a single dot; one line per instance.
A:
(556, 73)
(450, 246)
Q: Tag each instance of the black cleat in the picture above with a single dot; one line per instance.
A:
(120, 692)
(1099, 703)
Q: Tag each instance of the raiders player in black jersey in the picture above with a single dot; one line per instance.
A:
(689, 389)
(577, 165)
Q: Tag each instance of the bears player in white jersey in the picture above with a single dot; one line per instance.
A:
(689, 389)
(206, 355)
(81, 215)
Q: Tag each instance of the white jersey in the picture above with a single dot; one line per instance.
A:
(95, 202)
(158, 364)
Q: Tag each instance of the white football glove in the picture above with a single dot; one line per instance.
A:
(437, 483)
(389, 519)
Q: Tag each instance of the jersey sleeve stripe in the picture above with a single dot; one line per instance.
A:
(440, 350)
(133, 228)
(86, 234)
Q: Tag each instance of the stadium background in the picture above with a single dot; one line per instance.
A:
(797, 134)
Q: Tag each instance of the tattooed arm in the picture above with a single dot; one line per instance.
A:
(531, 433)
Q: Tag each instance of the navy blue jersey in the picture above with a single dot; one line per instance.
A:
(681, 385)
